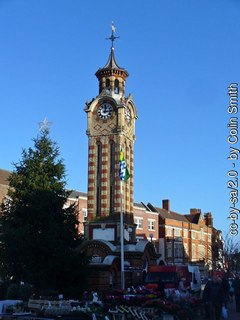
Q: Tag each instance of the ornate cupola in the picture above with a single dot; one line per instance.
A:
(111, 126)
(112, 77)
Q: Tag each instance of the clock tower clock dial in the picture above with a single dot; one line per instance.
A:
(105, 111)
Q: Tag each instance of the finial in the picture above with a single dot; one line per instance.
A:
(44, 126)
(112, 37)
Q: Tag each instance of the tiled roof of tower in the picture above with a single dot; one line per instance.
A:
(111, 63)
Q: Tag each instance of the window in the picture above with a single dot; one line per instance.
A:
(139, 223)
(107, 86)
(168, 231)
(178, 249)
(201, 252)
(116, 86)
(151, 224)
(193, 234)
(169, 249)
(177, 232)
(201, 234)
(209, 238)
(85, 214)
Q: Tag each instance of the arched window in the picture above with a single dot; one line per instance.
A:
(99, 180)
(116, 86)
(107, 86)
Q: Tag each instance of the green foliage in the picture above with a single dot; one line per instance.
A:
(13, 292)
(39, 237)
(19, 291)
(3, 289)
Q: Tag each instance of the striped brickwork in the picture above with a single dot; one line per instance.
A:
(127, 187)
(105, 179)
(91, 179)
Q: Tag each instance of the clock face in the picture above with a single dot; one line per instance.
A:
(127, 114)
(105, 111)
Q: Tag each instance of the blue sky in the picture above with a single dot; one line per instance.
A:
(181, 56)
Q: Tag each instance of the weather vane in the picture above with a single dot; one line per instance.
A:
(112, 37)
(44, 126)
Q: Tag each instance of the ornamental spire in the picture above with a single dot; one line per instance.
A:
(112, 38)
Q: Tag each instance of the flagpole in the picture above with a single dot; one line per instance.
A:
(121, 225)
(122, 237)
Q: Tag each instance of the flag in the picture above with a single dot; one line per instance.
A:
(123, 170)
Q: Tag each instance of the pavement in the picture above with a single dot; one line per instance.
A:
(232, 314)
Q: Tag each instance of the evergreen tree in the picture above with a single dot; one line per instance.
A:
(39, 236)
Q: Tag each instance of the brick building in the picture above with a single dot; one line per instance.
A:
(178, 238)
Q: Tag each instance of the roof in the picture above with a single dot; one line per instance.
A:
(165, 214)
(139, 205)
(193, 218)
(78, 194)
(111, 65)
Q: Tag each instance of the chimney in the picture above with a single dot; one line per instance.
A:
(208, 219)
(166, 204)
(195, 211)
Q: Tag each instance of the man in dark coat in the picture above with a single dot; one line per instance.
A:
(213, 297)
(225, 291)
(236, 287)
(161, 288)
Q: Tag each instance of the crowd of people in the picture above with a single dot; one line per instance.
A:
(217, 294)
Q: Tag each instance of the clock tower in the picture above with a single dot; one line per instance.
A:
(111, 120)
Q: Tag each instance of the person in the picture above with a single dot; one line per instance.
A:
(213, 298)
(231, 290)
(225, 291)
(181, 285)
(236, 287)
(161, 288)
(205, 298)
